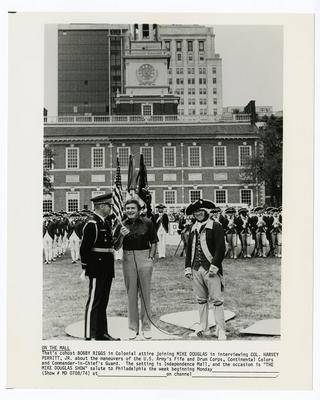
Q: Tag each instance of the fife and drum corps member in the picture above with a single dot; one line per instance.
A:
(205, 252)
(97, 259)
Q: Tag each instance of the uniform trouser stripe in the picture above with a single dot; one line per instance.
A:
(88, 315)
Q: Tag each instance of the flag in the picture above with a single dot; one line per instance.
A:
(116, 194)
(142, 186)
(131, 179)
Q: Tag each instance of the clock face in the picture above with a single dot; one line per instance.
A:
(146, 73)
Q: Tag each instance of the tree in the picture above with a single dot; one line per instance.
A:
(47, 165)
(266, 164)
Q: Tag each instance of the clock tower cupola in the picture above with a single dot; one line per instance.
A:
(146, 75)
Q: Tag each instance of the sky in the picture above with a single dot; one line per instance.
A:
(252, 65)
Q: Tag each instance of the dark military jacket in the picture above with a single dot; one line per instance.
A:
(162, 219)
(96, 249)
(49, 227)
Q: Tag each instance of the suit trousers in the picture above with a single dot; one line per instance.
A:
(96, 323)
(137, 272)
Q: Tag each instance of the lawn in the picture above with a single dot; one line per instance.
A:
(252, 291)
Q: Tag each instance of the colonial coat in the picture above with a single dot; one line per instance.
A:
(212, 244)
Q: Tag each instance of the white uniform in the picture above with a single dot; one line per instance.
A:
(162, 235)
(47, 247)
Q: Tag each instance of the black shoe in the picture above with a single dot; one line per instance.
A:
(106, 336)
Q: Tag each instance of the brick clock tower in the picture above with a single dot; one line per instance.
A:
(146, 76)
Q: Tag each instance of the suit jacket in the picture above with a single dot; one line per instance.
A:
(164, 220)
(212, 244)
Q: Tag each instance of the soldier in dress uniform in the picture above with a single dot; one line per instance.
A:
(65, 222)
(60, 234)
(48, 237)
(231, 231)
(205, 252)
(74, 236)
(54, 219)
(276, 232)
(182, 229)
(269, 222)
(162, 228)
(259, 224)
(216, 215)
(97, 259)
(244, 230)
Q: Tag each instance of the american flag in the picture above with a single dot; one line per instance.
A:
(116, 194)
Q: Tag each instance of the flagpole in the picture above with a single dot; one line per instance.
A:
(111, 165)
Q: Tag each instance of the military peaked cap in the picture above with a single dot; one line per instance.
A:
(102, 199)
(199, 204)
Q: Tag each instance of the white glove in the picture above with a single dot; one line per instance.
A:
(213, 270)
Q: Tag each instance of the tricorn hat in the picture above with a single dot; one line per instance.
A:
(197, 205)
(230, 210)
(243, 211)
(161, 206)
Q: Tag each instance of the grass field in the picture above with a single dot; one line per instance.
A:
(252, 292)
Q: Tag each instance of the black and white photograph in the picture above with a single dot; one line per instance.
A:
(162, 166)
(162, 181)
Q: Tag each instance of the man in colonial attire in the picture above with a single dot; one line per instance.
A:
(244, 229)
(276, 232)
(205, 252)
